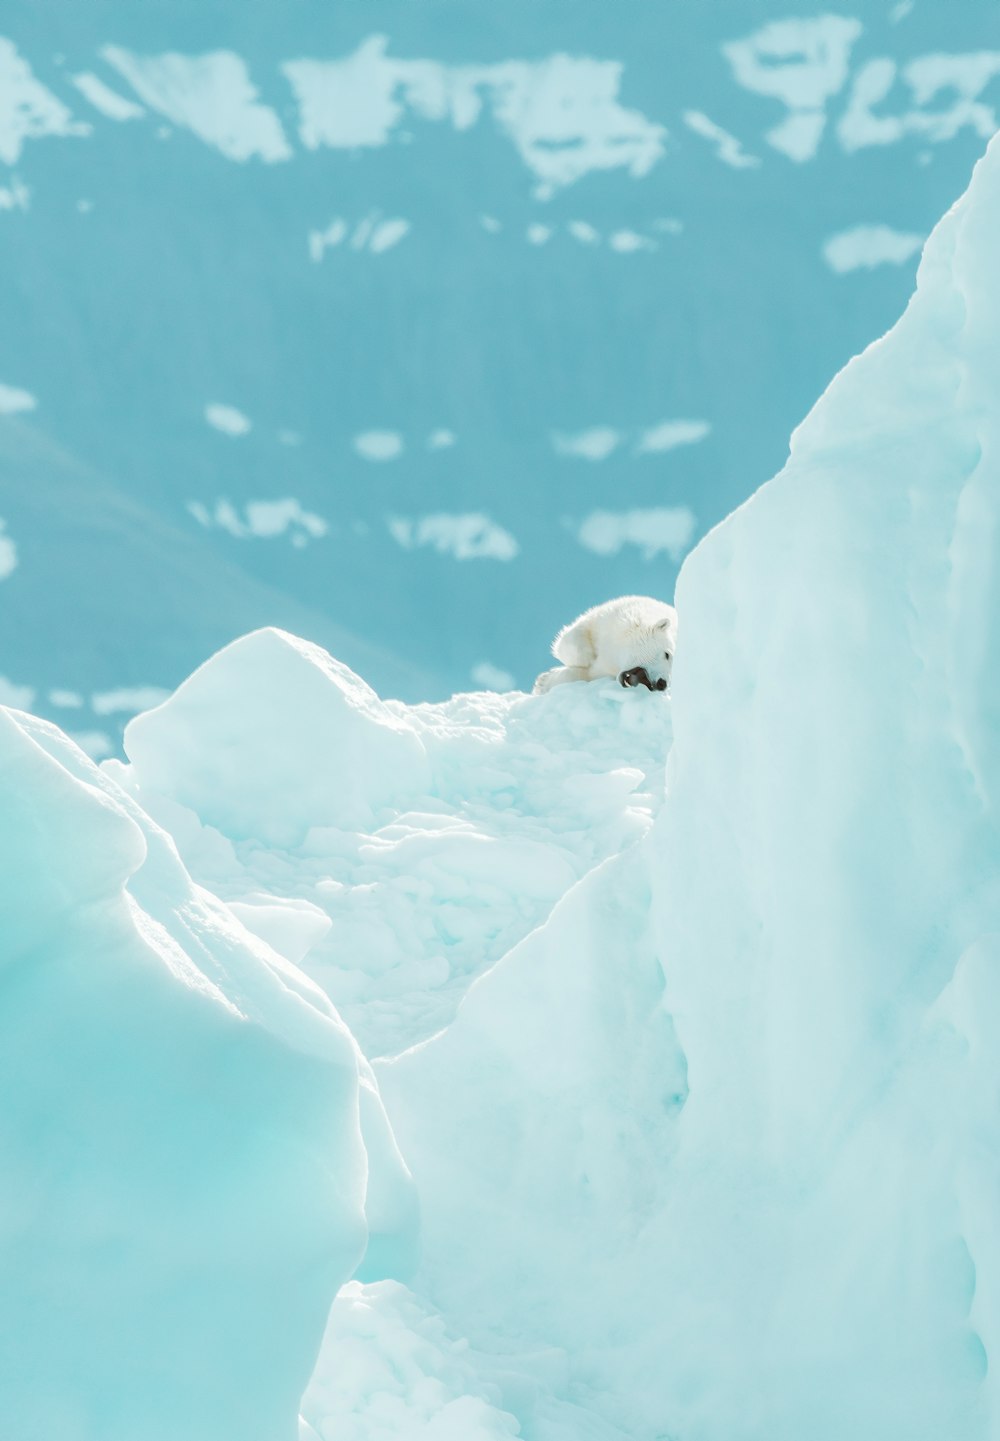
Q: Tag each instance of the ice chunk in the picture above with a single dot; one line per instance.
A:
(510, 799)
(389, 1370)
(184, 1177)
(272, 737)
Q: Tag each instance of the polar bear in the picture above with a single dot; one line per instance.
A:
(632, 638)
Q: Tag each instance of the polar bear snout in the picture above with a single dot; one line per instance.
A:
(639, 675)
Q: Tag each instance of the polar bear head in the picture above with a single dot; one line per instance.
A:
(631, 639)
(644, 656)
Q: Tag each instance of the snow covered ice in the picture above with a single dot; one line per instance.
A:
(682, 1117)
(396, 851)
(183, 1171)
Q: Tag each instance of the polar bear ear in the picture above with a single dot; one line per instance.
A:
(663, 624)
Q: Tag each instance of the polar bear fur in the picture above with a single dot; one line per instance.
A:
(613, 638)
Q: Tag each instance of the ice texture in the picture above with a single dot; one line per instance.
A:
(183, 1171)
(273, 737)
(394, 851)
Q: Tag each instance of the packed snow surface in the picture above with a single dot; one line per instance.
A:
(396, 851)
(683, 1112)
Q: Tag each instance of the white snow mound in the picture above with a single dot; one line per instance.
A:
(273, 736)
(489, 807)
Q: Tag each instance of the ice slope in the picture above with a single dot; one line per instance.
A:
(395, 851)
(184, 1175)
(800, 1240)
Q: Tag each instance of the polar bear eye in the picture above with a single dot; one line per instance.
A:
(666, 655)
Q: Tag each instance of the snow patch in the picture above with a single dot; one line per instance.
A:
(728, 149)
(8, 553)
(211, 95)
(670, 434)
(388, 233)
(106, 100)
(466, 537)
(602, 441)
(379, 444)
(801, 62)
(15, 196)
(27, 110)
(659, 531)
(627, 242)
(371, 233)
(14, 401)
(964, 76)
(227, 419)
(128, 699)
(562, 114)
(323, 240)
(865, 246)
(262, 520)
(595, 444)
(583, 231)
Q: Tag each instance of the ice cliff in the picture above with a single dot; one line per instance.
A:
(684, 1113)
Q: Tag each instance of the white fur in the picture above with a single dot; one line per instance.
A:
(610, 638)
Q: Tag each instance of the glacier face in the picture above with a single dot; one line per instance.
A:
(418, 337)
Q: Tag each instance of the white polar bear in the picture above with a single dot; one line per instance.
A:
(632, 638)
